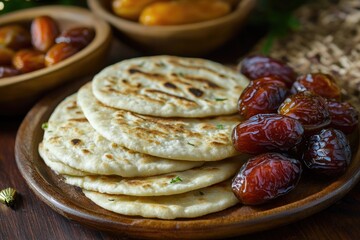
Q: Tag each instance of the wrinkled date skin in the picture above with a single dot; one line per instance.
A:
(28, 60)
(6, 55)
(328, 153)
(59, 52)
(263, 95)
(258, 66)
(319, 83)
(8, 72)
(343, 116)
(14, 37)
(44, 30)
(311, 110)
(267, 132)
(80, 36)
(266, 177)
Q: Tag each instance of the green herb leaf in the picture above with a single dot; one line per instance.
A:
(220, 99)
(191, 144)
(181, 74)
(176, 179)
(45, 125)
(220, 126)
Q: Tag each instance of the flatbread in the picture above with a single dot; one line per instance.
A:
(168, 86)
(175, 138)
(58, 167)
(186, 205)
(167, 184)
(70, 138)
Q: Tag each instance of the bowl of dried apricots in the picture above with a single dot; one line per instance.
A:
(42, 48)
(181, 27)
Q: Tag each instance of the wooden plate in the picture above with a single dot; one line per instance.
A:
(310, 196)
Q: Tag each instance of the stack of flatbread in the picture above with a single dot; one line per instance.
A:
(150, 137)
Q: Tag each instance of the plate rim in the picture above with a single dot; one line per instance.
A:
(198, 228)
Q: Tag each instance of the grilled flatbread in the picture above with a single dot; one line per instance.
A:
(167, 86)
(57, 166)
(71, 140)
(175, 138)
(186, 205)
(166, 184)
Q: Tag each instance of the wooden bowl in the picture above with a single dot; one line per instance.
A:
(18, 93)
(186, 40)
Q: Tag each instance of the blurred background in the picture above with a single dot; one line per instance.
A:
(272, 16)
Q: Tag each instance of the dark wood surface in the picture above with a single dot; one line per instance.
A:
(32, 219)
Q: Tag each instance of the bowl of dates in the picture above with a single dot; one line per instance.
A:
(42, 48)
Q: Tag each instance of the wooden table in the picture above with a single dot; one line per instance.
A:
(32, 219)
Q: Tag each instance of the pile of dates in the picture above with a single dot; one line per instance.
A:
(291, 123)
(23, 51)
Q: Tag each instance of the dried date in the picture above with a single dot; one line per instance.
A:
(80, 36)
(263, 95)
(266, 177)
(328, 153)
(44, 30)
(258, 66)
(6, 55)
(59, 52)
(8, 72)
(310, 109)
(28, 60)
(267, 132)
(14, 37)
(343, 116)
(318, 83)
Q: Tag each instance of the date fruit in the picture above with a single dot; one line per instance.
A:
(14, 37)
(80, 36)
(44, 30)
(258, 66)
(59, 52)
(328, 153)
(6, 55)
(8, 72)
(266, 177)
(310, 109)
(318, 83)
(343, 116)
(28, 60)
(263, 95)
(267, 132)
